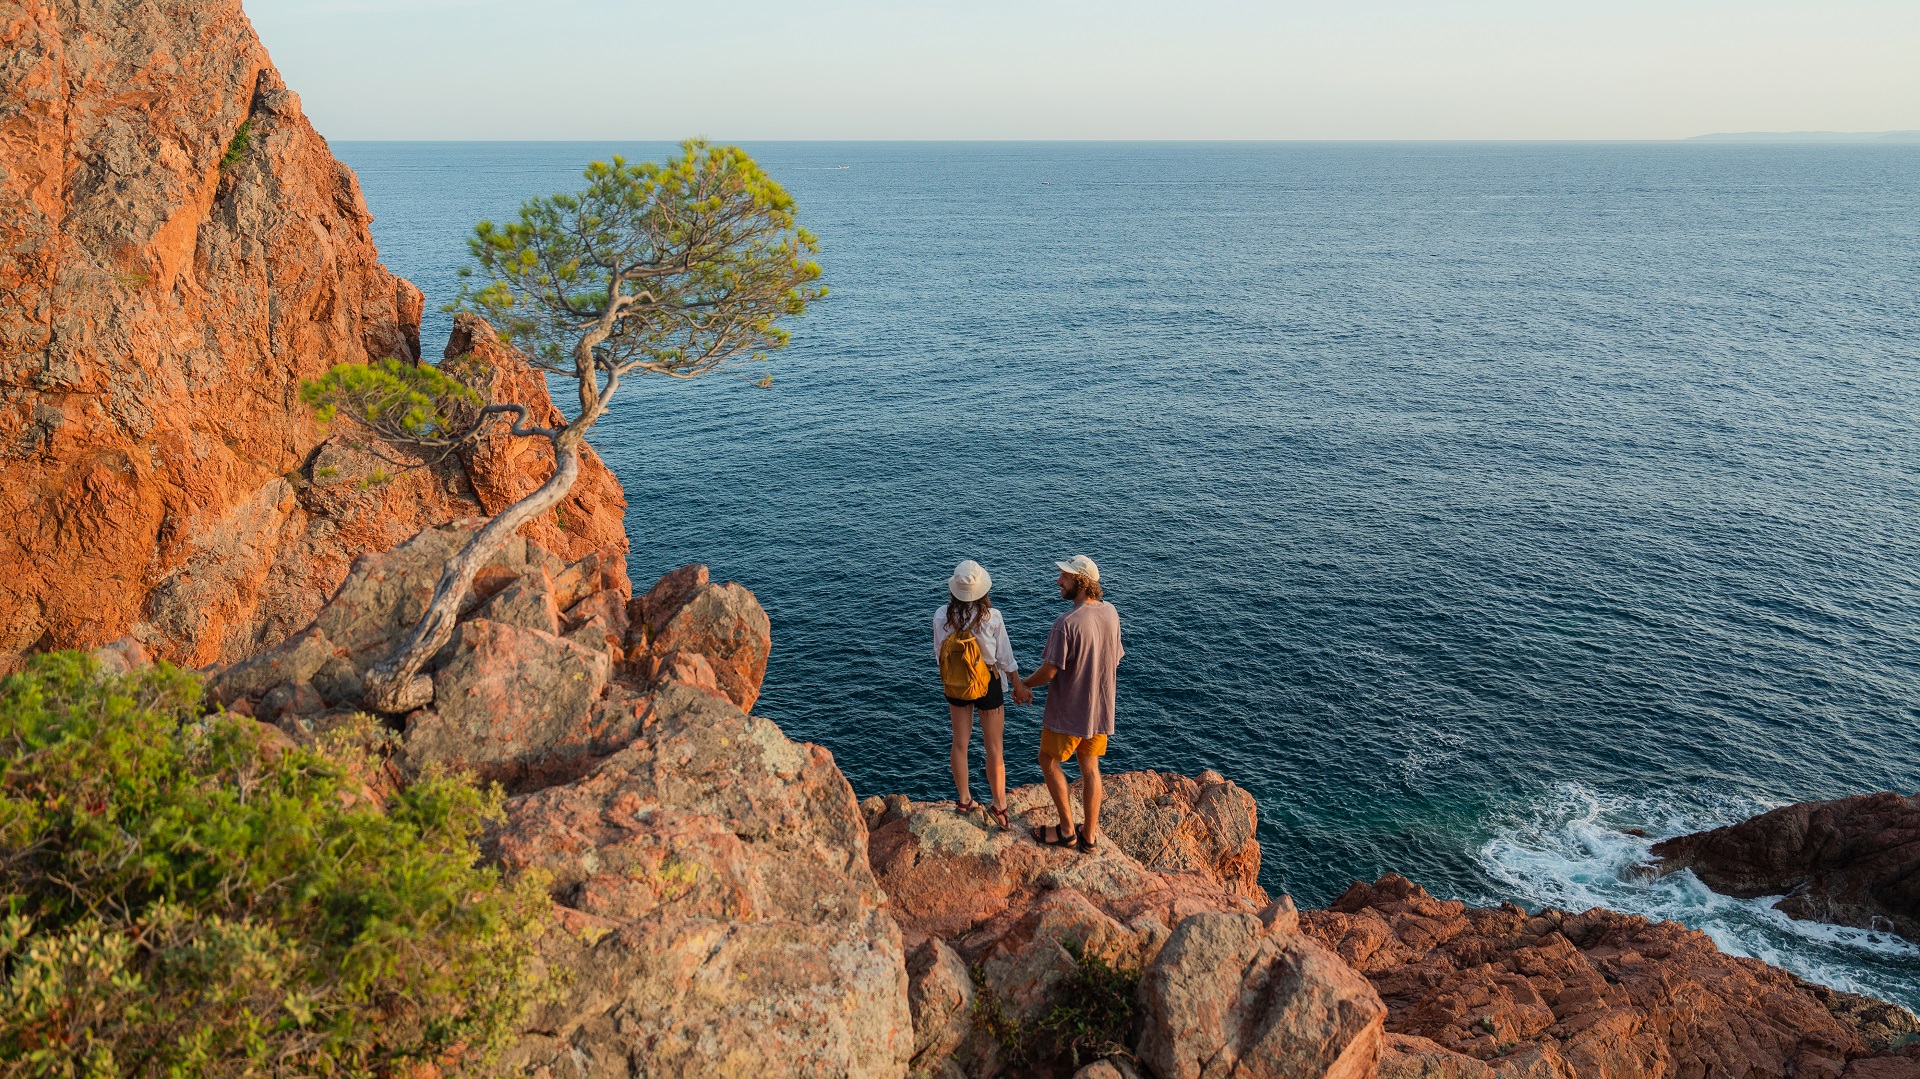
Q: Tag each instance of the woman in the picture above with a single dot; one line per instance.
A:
(969, 612)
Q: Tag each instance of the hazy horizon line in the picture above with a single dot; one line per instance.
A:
(1893, 137)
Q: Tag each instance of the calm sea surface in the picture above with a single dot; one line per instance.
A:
(1467, 503)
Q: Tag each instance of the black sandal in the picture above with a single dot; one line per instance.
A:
(1069, 839)
(1085, 846)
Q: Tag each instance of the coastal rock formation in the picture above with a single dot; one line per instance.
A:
(717, 912)
(1234, 996)
(992, 918)
(726, 905)
(501, 469)
(1181, 824)
(178, 250)
(1851, 861)
(1599, 995)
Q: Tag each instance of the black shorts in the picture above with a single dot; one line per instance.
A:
(994, 697)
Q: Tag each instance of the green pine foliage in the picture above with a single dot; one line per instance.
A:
(181, 900)
(400, 400)
(703, 252)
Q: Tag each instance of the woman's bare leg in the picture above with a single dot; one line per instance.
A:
(991, 724)
(962, 717)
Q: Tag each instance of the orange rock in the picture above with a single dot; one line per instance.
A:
(688, 629)
(164, 288)
(504, 469)
(1599, 995)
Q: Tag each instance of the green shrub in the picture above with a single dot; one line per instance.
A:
(182, 900)
(238, 146)
(1091, 1020)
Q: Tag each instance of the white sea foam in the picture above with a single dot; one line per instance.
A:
(1570, 849)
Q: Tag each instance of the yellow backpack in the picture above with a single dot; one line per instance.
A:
(963, 674)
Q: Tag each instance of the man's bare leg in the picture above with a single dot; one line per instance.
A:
(1091, 792)
(1056, 778)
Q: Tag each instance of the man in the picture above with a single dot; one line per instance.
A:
(1083, 650)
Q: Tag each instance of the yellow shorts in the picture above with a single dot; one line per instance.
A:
(1061, 746)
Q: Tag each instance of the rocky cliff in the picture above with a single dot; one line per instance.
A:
(727, 908)
(178, 250)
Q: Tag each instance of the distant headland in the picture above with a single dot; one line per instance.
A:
(1808, 136)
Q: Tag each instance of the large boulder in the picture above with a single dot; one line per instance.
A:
(179, 250)
(1599, 995)
(511, 702)
(1235, 996)
(685, 614)
(1851, 861)
(719, 916)
(503, 469)
(1180, 824)
(1025, 916)
(717, 912)
(940, 994)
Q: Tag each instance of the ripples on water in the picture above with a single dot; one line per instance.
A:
(1466, 503)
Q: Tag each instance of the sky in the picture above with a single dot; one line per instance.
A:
(1078, 69)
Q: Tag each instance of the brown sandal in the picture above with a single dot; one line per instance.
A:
(966, 807)
(999, 816)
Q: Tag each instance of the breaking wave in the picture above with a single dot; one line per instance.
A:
(1571, 848)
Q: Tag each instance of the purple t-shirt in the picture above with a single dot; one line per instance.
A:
(1085, 644)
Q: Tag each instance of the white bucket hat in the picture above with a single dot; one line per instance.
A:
(1082, 566)
(969, 581)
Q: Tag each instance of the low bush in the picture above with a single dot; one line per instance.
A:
(1091, 1019)
(184, 899)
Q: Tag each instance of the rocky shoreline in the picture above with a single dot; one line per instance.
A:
(727, 906)
(179, 256)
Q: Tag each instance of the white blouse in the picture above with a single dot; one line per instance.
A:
(995, 648)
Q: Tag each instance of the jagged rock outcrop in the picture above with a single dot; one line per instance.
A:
(1186, 824)
(1850, 861)
(972, 897)
(178, 250)
(717, 912)
(1600, 995)
(501, 469)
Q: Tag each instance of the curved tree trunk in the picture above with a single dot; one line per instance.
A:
(395, 684)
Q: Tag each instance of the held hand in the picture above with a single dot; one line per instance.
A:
(1021, 694)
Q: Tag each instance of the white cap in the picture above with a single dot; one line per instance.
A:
(1080, 565)
(969, 581)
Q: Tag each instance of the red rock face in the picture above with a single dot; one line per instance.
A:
(1851, 861)
(1600, 995)
(164, 288)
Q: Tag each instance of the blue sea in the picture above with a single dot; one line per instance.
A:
(1470, 504)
